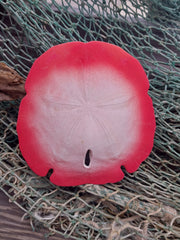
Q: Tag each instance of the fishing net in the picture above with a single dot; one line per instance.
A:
(145, 204)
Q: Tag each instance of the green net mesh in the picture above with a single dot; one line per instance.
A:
(144, 205)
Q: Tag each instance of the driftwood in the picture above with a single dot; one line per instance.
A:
(11, 83)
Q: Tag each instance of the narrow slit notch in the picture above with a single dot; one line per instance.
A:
(87, 159)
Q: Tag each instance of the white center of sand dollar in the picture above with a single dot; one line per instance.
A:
(93, 110)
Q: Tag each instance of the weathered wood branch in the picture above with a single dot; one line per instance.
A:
(11, 83)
